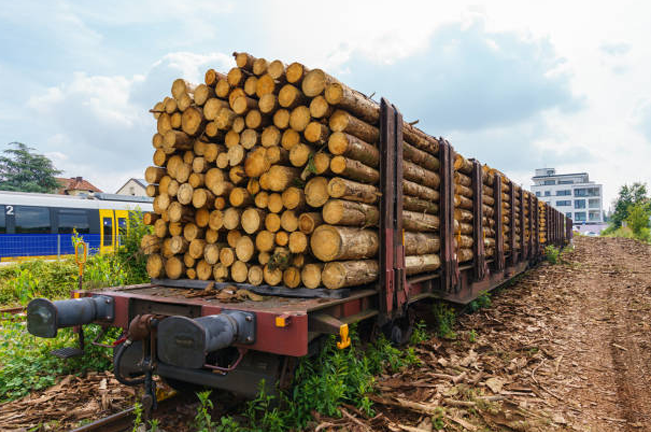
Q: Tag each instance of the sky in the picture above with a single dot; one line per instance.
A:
(517, 85)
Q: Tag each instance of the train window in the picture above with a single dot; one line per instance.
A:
(73, 219)
(122, 229)
(32, 220)
(3, 218)
(107, 226)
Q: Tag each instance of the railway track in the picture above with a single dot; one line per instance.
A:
(123, 420)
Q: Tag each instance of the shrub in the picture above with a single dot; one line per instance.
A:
(552, 253)
(445, 317)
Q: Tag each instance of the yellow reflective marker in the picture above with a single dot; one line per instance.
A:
(345, 339)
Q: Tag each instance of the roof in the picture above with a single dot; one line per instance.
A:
(75, 183)
(560, 175)
(141, 182)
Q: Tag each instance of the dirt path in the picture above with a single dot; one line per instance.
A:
(567, 347)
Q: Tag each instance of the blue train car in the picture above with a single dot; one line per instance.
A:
(36, 225)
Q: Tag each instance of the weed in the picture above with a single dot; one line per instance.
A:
(261, 412)
(472, 336)
(438, 419)
(419, 334)
(552, 253)
(203, 420)
(481, 302)
(153, 425)
(227, 424)
(445, 317)
(137, 422)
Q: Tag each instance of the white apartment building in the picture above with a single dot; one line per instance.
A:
(573, 194)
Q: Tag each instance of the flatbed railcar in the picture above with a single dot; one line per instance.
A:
(233, 346)
(35, 225)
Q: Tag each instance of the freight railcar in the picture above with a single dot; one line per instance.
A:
(34, 225)
(233, 346)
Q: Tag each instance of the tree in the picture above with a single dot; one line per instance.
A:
(638, 220)
(24, 170)
(628, 197)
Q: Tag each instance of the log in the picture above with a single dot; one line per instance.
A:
(307, 222)
(272, 222)
(289, 139)
(256, 163)
(155, 266)
(462, 179)
(210, 253)
(420, 157)
(420, 191)
(353, 169)
(220, 272)
(255, 275)
(181, 87)
(202, 93)
(281, 119)
(277, 156)
(204, 270)
(174, 267)
(227, 256)
(272, 275)
(311, 275)
(342, 212)
(275, 203)
(250, 85)
(261, 199)
(316, 133)
(461, 201)
(419, 205)
(299, 118)
(202, 198)
(339, 187)
(189, 263)
(464, 255)
(463, 242)
(244, 61)
(193, 121)
(271, 136)
(295, 73)
(290, 97)
(419, 243)
(192, 231)
(289, 221)
(316, 192)
(341, 121)
(240, 197)
(292, 277)
(196, 249)
(239, 271)
(232, 237)
(298, 242)
(421, 263)
(315, 82)
(280, 177)
(177, 140)
(352, 147)
(282, 238)
(300, 154)
(330, 243)
(320, 108)
(150, 244)
(353, 101)
(265, 241)
(293, 198)
(417, 174)
(244, 249)
(462, 164)
(154, 174)
(413, 221)
(462, 215)
(260, 66)
(232, 218)
(253, 220)
(350, 273)
(266, 85)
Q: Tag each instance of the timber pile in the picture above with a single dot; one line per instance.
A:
(269, 174)
(489, 212)
(542, 218)
(516, 214)
(463, 216)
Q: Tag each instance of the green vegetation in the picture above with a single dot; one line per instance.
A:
(25, 361)
(420, 333)
(23, 281)
(321, 384)
(26, 364)
(22, 170)
(481, 302)
(553, 254)
(445, 318)
(632, 214)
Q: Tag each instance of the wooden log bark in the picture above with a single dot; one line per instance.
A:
(360, 105)
(330, 243)
(339, 187)
(352, 147)
(342, 121)
(155, 266)
(415, 264)
(413, 221)
(420, 191)
(342, 212)
(417, 174)
(354, 170)
(419, 205)
(307, 222)
(420, 243)
(420, 157)
(316, 192)
(350, 273)
(311, 275)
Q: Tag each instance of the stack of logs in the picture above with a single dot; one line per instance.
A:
(542, 222)
(488, 208)
(463, 216)
(270, 174)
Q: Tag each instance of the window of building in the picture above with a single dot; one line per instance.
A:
(568, 215)
(594, 216)
(549, 182)
(548, 193)
(132, 190)
(579, 216)
(564, 192)
(579, 204)
(564, 203)
(582, 192)
(551, 172)
(32, 220)
(537, 193)
(565, 181)
(594, 203)
(73, 219)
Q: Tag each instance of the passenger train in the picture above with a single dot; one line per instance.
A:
(34, 225)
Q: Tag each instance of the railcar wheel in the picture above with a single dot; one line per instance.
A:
(399, 330)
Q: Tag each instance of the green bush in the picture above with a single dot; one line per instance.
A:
(27, 365)
(445, 317)
(553, 254)
(25, 280)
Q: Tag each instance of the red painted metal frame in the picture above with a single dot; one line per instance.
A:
(500, 260)
(479, 262)
(449, 264)
(387, 210)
